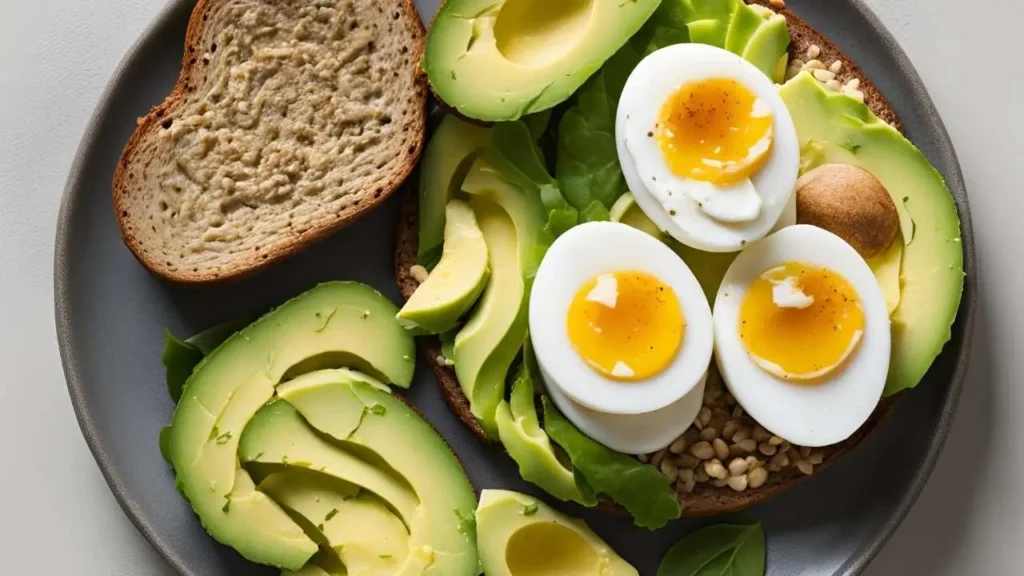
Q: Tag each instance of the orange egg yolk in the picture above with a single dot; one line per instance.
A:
(800, 321)
(715, 131)
(627, 326)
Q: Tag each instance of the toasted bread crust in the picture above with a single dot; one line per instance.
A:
(705, 499)
(189, 79)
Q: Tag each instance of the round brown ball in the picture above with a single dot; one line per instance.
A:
(851, 203)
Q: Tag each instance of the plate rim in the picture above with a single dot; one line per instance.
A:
(864, 554)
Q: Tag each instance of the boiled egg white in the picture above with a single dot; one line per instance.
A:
(707, 146)
(802, 335)
(622, 333)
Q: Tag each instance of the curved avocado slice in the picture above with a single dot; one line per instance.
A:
(368, 421)
(353, 525)
(844, 131)
(502, 59)
(528, 444)
(334, 323)
(521, 535)
(487, 345)
(457, 280)
(448, 156)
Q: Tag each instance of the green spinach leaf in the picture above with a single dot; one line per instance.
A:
(731, 549)
(180, 357)
(640, 488)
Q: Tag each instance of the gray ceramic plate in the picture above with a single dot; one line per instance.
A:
(111, 314)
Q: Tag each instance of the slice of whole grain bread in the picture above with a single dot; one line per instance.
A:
(289, 119)
(705, 499)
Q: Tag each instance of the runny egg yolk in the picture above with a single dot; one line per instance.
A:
(714, 130)
(799, 321)
(626, 325)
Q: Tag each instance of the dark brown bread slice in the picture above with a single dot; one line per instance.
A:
(289, 119)
(705, 499)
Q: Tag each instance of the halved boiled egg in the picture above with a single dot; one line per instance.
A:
(707, 146)
(622, 333)
(802, 335)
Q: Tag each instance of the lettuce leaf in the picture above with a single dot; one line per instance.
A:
(514, 153)
(587, 164)
(640, 488)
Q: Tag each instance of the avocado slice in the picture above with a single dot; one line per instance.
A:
(845, 131)
(768, 45)
(756, 33)
(350, 523)
(487, 345)
(502, 59)
(521, 535)
(457, 280)
(527, 443)
(380, 428)
(744, 22)
(334, 323)
(447, 158)
(886, 267)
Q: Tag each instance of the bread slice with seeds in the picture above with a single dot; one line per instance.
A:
(785, 465)
(290, 118)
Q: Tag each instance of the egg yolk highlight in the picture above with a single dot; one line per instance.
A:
(800, 322)
(627, 326)
(714, 130)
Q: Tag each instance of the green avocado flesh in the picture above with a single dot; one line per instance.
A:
(528, 444)
(756, 33)
(519, 535)
(457, 280)
(235, 380)
(447, 157)
(360, 418)
(487, 345)
(353, 524)
(844, 131)
(502, 59)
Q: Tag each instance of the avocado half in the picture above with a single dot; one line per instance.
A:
(707, 499)
(503, 59)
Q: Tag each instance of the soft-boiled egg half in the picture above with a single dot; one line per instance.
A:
(623, 335)
(707, 146)
(802, 335)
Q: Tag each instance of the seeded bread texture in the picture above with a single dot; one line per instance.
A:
(289, 119)
(705, 499)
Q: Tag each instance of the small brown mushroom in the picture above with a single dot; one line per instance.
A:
(851, 203)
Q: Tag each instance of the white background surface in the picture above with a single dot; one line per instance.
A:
(59, 517)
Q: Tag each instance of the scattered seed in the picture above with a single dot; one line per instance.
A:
(853, 84)
(760, 434)
(658, 457)
(698, 424)
(815, 65)
(721, 448)
(730, 428)
(834, 85)
(757, 477)
(816, 458)
(677, 446)
(813, 52)
(741, 435)
(753, 462)
(735, 451)
(775, 440)
(805, 451)
(737, 412)
(778, 462)
(419, 273)
(687, 461)
(704, 415)
(702, 450)
(709, 433)
(668, 468)
(738, 467)
(748, 445)
(719, 483)
(642, 457)
(777, 4)
(714, 469)
(836, 66)
(700, 475)
(738, 483)
(805, 467)
(767, 449)
(824, 75)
